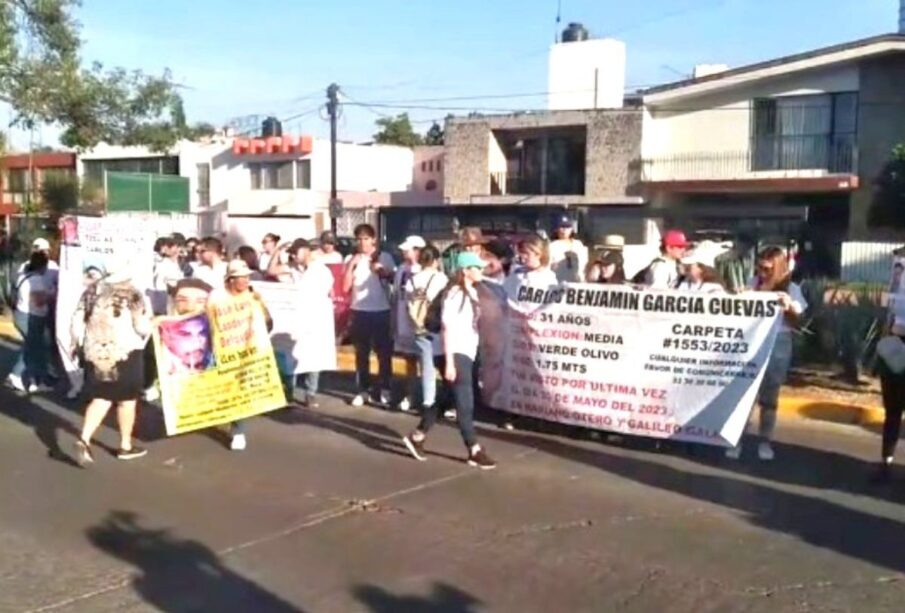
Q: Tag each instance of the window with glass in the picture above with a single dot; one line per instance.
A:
(805, 132)
(271, 175)
(304, 174)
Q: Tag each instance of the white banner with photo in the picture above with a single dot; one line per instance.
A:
(303, 336)
(684, 366)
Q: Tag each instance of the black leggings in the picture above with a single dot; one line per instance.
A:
(893, 388)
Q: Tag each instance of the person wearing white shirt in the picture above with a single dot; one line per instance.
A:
(774, 275)
(268, 249)
(663, 272)
(568, 255)
(533, 268)
(317, 281)
(421, 291)
(326, 252)
(367, 275)
(460, 315)
(211, 268)
(167, 273)
(404, 330)
(700, 269)
(50, 278)
(30, 317)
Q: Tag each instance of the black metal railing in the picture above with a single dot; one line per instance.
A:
(503, 184)
(767, 156)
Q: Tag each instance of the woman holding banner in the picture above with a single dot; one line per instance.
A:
(774, 275)
(699, 274)
(460, 316)
(113, 324)
(534, 271)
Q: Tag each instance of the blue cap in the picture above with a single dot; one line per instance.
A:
(564, 221)
(467, 259)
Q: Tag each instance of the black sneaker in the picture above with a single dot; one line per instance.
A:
(480, 459)
(131, 454)
(416, 448)
(83, 455)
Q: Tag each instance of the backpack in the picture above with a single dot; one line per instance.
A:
(433, 319)
(640, 277)
(13, 296)
(418, 305)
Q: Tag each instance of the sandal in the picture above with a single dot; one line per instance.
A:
(83, 455)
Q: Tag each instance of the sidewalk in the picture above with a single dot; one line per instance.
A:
(791, 404)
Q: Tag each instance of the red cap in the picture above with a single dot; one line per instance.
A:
(675, 238)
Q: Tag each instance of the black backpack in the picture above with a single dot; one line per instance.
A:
(640, 277)
(433, 321)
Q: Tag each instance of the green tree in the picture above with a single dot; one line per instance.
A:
(397, 131)
(435, 135)
(43, 80)
(888, 206)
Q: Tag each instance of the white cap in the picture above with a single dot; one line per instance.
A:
(705, 253)
(613, 241)
(413, 242)
(40, 244)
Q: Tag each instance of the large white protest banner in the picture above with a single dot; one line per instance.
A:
(685, 366)
(303, 333)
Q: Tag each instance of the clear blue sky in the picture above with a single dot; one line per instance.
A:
(277, 56)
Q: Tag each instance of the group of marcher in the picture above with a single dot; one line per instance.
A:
(418, 310)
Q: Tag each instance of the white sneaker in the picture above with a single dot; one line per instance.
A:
(358, 401)
(765, 452)
(385, 398)
(15, 382)
(734, 453)
(405, 406)
(152, 394)
(39, 388)
(450, 414)
(238, 443)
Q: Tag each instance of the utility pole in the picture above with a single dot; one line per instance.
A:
(332, 108)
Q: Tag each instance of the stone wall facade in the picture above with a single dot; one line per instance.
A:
(612, 156)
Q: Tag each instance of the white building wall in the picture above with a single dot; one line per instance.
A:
(586, 75)
(721, 122)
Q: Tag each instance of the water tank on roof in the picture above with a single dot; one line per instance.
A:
(575, 33)
(271, 127)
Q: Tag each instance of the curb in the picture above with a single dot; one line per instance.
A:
(790, 405)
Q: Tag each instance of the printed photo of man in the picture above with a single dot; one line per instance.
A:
(187, 344)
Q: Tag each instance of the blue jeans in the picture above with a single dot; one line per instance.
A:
(35, 354)
(310, 380)
(774, 377)
(425, 347)
(464, 394)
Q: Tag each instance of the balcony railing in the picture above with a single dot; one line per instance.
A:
(767, 158)
(505, 184)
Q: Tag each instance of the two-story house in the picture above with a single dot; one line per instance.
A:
(804, 135)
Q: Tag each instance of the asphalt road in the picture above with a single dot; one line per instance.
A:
(326, 512)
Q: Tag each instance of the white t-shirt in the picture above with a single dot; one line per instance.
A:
(799, 304)
(663, 274)
(705, 287)
(334, 257)
(540, 278)
(214, 276)
(568, 260)
(460, 324)
(316, 279)
(432, 282)
(264, 261)
(30, 284)
(167, 274)
(369, 293)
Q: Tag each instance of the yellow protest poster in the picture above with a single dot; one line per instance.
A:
(217, 366)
